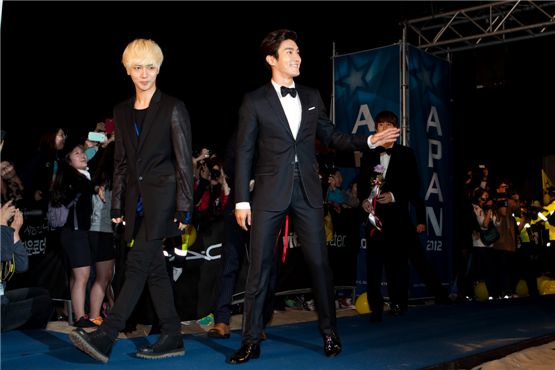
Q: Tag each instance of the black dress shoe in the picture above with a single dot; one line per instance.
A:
(166, 346)
(245, 353)
(396, 310)
(96, 344)
(332, 344)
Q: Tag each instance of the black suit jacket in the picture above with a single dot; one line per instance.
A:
(265, 145)
(402, 179)
(157, 165)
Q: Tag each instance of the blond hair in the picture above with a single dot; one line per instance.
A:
(142, 52)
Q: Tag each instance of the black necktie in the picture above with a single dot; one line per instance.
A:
(288, 90)
(381, 149)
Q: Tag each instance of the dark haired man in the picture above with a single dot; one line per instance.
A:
(280, 122)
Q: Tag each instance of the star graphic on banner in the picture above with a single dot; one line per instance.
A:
(355, 78)
(425, 75)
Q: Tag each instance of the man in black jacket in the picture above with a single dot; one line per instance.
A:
(153, 192)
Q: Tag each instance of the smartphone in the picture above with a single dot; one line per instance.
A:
(97, 136)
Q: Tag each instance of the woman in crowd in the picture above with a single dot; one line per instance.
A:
(101, 235)
(73, 188)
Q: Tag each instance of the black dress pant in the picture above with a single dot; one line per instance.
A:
(266, 225)
(145, 264)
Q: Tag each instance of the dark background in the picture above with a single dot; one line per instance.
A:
(61, 66)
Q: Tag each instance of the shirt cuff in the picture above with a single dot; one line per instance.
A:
(370, 145)
(242, 205)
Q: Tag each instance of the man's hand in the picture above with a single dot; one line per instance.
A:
(385, 198)
(243, 217)
(117, 220)
(385, 137)
(366, 205)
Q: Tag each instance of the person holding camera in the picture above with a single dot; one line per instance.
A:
(504, 249)
(212, 191)
(28, 308)
(481, 265)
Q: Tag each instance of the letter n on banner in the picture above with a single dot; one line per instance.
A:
(429, 122)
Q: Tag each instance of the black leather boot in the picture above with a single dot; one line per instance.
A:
(332, 344)
(166, 346)
(96, 344)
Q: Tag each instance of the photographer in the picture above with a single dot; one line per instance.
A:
(211, 191)
(480, 269)
(504, 249)
(28, 308)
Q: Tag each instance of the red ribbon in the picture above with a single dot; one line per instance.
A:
(285, 239)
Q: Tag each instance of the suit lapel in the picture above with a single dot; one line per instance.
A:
(275, 104)
(303, 96)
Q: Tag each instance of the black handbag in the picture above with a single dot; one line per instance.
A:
(490, 235)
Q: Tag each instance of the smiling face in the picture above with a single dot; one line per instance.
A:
(143, 76)
(287, 65)
(77, 158)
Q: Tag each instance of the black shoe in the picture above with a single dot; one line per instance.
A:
(96, 344)
(332, 344)
(166, 346)
(84, 322)
(245, 353)
(396, 310)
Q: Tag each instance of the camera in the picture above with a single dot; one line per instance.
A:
(528, 214)
(27, 212)
(99, 137)
(215, 174)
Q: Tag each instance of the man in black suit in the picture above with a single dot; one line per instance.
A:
(278, 126)
(389, 247)
(153, 192)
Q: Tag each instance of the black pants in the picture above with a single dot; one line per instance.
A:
(145, 264)
(309, 224)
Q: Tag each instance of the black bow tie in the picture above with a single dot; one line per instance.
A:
(381, 149)
(288, 90)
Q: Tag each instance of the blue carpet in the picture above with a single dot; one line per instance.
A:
(424, 336)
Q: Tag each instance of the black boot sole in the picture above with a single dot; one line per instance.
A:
(81, 343)
(157, 356)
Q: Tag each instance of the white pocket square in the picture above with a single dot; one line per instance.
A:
(311, 108)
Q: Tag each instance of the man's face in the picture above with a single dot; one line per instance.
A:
(143, 76)
(381, 126)
(288, 63)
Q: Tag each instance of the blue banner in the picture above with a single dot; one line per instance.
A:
(365, 84)
(429, 122)
(368, 82)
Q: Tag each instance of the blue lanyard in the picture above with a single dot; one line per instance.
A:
(136, 128)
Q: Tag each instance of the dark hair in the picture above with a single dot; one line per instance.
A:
(477, 194)
(104, 172)
(47, 141)
(273, 40)
(387, 116)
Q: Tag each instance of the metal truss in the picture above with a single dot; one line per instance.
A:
(482, 25)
